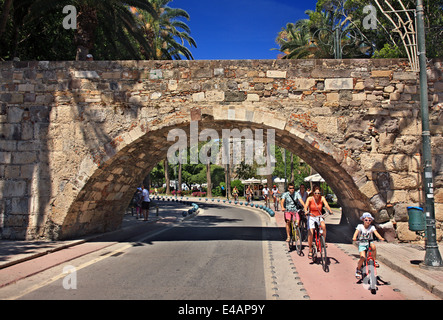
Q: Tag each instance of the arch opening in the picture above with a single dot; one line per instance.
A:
(100, 205)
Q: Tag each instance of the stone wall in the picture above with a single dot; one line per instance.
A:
(77, 137)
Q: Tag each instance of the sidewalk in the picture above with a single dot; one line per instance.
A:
(14, 252)
(404, 258)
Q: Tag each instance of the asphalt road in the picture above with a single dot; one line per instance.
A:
(223, 253)
(219, 254)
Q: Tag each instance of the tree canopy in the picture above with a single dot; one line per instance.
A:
(108, 29)
(313, 37)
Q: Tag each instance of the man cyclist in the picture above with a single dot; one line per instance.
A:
(265, 192)
(289, 205)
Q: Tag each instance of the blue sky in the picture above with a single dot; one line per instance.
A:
(239, 29)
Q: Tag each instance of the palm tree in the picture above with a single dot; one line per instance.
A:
(167, 33)
(111, 15)
(294, 40)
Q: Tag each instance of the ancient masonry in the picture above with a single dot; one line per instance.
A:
(78, 137)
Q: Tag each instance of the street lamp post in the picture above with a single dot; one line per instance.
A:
(432, 256)
(337, 34)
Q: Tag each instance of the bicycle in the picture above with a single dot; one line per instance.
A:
(266, 201)
(276, 201)
(319, 245)
(295, 239)
(302, 225)
(369, 270)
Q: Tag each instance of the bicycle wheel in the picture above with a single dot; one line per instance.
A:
(324, 257)
(303, 230)
(372, 277)
(291, 239)
(314, 247)
(298, 242)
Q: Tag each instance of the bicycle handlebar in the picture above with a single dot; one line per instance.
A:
(324, 215)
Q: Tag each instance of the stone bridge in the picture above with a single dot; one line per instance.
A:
(77, 137)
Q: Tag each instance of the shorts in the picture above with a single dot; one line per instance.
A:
(363, 246)
(289, 214)
(145, 205)
(312, 220)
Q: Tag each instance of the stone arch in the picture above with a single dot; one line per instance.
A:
(98, 203)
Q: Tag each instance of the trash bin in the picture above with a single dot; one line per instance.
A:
(416, 219)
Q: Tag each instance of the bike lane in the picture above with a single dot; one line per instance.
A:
(340, 282)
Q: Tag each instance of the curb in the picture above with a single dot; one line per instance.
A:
(438, 291)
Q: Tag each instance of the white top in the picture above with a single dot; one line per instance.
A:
(145, 195)
(265, 191)
(365, 234)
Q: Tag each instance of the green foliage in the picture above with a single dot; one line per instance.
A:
(389, 52)
(33, 30)
(302, 39)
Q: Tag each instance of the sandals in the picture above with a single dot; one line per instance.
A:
(358, 274)
(310, 254)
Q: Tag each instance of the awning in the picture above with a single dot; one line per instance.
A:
(315, 178)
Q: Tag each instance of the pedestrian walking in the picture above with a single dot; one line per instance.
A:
(138, 202)
(146, 201)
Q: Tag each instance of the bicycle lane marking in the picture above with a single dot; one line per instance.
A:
(29, 268)
(340, 282)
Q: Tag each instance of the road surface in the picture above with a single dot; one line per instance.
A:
(223, 253)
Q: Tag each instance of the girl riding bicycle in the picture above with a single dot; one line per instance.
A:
(315, 205)
(365, 232)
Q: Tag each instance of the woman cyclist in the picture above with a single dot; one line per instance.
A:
(314, 204)
(248, 194)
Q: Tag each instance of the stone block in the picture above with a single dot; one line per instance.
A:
(381, 73)
(235, 96)
(219, 71)
(27, 87)
(86, 74)
(404, 181)
(358, 96)
(215, 95)
(172, 85)
(404, 234)
(13, 188)
(253, 97)
(302, 84)
(327, 125)
(25, 157)
(199, 96)
(263, 80)
(333, 96)
(155, 74)
(400, 75)
(275, 74)
(339, 84)
(17, 98)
